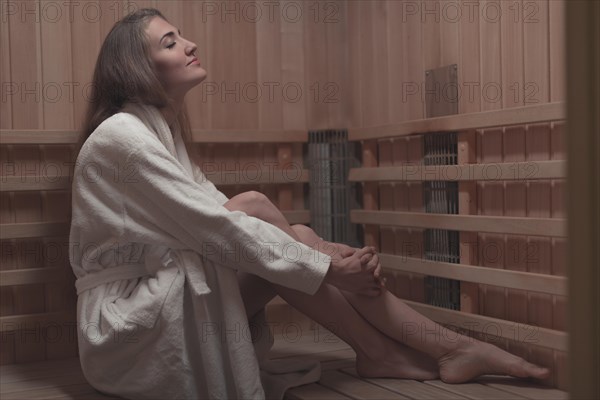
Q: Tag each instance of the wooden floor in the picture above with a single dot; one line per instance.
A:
(64, 380)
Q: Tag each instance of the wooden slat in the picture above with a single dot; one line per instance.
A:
(33, 275)
(38, 136)
(38, 370)
(541, 283)
(34, 321)
(66, 392)
(44, 382)
(476, 391)
(410, 388)
(33, 229)
(520, 171)
(460, 122)
(29, 183)
(223, 178)
(467, 205)
(356, 388)
(516, 225)
(398, 283)
(522, 388)
(65, 136)
(256, 177)
(285, 193)
(370, 192)
(248, 136)
(532, 335)
(313, 392)
(514, 302)
(44, 229)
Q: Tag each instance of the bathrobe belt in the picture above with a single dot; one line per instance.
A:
(188, 261)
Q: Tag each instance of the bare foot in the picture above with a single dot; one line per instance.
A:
(397, 361)
(473, 358)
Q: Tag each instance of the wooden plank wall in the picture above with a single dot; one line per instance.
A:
(509, 54)
(278, 69)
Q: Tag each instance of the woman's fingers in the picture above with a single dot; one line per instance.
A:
(373, 262)
(366, 258)
(374, 266)
(361, 252)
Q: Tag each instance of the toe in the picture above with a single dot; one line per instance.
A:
(525, 369)
(542, 373)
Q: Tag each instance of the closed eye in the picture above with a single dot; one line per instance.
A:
(171, 45)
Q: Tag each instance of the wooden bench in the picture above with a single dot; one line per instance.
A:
(63, 379)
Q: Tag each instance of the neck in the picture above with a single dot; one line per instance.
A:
(171, 116)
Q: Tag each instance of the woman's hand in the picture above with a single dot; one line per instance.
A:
(371, 263)
(358, 272)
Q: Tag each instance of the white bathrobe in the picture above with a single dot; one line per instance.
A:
(155, 254)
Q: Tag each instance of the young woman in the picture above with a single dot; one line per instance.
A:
(181, 223)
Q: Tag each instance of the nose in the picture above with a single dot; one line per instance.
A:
(192, 48)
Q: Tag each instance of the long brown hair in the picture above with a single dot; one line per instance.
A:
(124, 72)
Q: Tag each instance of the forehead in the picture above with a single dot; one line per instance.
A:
(157, 27)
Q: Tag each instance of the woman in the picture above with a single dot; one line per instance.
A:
(155, 246)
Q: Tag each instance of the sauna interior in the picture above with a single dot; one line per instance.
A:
(435, 131)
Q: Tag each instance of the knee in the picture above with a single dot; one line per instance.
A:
(255, 197)
(299, 228)
(253, 203)
(305, 233)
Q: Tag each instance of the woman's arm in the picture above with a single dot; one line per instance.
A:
(164, 205)
(200, 178)
(258, 205)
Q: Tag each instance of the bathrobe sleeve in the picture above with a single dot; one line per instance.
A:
(200, 177)
(163, 205)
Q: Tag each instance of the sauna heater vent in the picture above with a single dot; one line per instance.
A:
(331, 196)
(441, 197)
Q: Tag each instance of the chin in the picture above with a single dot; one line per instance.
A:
(201, 76)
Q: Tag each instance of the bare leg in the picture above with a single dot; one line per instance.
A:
(259, 206)
(376, 354)
(460, 358)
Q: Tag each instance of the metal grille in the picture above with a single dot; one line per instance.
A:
(441, 197)
(330, 157)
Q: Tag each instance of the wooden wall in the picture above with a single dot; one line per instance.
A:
(508, 54)
(268, 66)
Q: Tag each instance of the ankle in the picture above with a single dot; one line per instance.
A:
(368, 351)
(449, 346)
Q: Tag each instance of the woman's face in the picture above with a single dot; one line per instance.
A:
(173, 56)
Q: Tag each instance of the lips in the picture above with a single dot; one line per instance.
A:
(194, 59)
